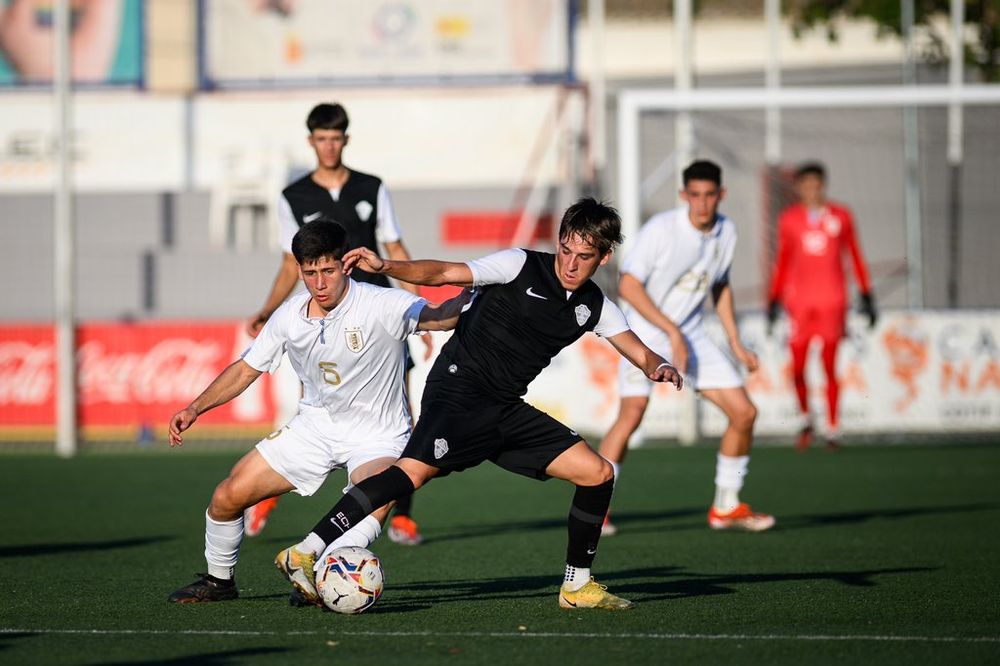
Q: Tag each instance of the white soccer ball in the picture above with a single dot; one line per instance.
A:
(349, 579)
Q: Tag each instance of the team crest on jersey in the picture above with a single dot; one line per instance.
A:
(355, 339)
(364, 210)
(440, 448)
(582, 314)
(831, 223)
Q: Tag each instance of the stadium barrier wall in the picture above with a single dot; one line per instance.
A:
(916, 372)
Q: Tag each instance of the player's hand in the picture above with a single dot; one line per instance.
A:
(772, 316)
(667, 374)
(746, 357)
(679, 350)
(428, 346)
(256, 322)
(180, 422)
(365, 259)
(868, 309)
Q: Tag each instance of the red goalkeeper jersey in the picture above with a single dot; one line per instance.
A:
(810, 265)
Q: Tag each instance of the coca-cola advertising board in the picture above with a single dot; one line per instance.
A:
(130, 377)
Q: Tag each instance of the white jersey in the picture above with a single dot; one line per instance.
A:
(386, 224)
(351, 362)
(678, 265)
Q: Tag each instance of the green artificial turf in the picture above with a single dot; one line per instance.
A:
(880, 555)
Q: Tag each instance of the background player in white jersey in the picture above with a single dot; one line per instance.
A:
(344, 340)
(678, 258)
(362, 204)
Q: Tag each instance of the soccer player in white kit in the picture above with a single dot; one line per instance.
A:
(343, 339)
(679, 257)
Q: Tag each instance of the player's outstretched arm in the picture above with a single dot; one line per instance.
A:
(230, 383)
(724, 308)
(633, 292)
(423, 271)
(444, 316)
(652, 364)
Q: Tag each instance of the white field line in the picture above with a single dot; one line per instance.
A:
(513, 634)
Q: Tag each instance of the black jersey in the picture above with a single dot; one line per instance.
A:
(356, 210)
(512, 331)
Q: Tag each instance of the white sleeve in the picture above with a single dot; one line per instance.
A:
(265, 352)
(641, 259)
(386, 225)
(497, 268)
(287, 226)
(612, 321)
(399, 312)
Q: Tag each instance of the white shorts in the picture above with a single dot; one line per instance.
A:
(708, 367)
(304, 452)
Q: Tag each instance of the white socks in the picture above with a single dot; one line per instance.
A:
(222, 546)
(617, 467)
(362, 535)
(575, 578)
(729, 475)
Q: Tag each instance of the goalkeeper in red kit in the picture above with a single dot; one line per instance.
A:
(808, 280)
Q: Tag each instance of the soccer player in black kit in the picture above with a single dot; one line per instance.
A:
(529, 306)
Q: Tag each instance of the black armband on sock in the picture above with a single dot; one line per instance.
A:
(361, 500)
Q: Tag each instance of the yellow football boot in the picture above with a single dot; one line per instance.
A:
(592, 595)
(297, 568)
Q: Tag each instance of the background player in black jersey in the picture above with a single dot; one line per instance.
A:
(530, 305)
(359, 202)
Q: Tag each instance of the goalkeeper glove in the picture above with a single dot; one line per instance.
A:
(867, 308)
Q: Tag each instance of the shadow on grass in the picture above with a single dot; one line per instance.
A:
(82, 546)
(7, 637)
(647, 522)
(211, 658)
(853, 517)
(647, 584)
(459, 532)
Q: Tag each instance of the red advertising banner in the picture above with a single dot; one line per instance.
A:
(130, 376)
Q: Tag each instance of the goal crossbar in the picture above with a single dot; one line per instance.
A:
(633, 102)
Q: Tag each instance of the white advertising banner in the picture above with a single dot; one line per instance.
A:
(916, 372)
(419, 138)
(270, 43)
(124, 141)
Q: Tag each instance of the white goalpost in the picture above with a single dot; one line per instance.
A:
(720, 110)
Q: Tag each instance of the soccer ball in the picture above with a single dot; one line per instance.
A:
(349, 580)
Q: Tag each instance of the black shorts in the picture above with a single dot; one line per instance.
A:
(459, 427)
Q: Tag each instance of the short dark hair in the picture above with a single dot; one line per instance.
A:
(811, 169)
(596, 222)
(703, 170)
(327, 117)
(317, 239)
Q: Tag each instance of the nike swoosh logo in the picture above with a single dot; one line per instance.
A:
(567, 601)
(531, 293)
(592, 552)
(574, 433)
(312, 216)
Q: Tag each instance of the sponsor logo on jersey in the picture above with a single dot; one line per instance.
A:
(440, 448)
(582, 314)
(364, 210)
(312, 216)
(529, 291)
(355, 339)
